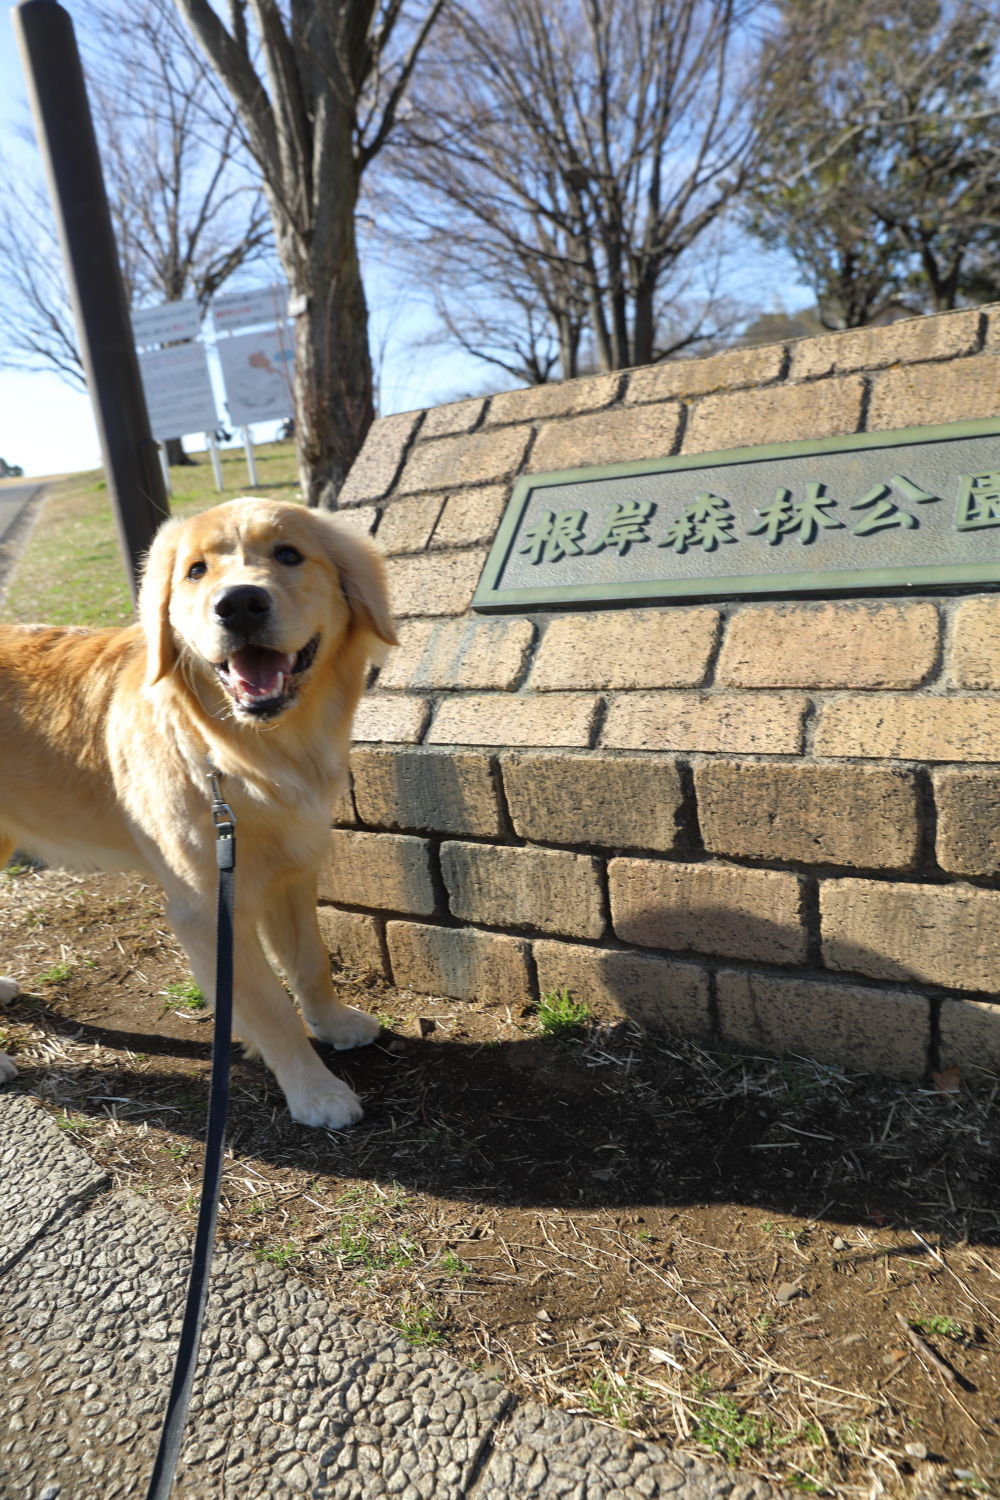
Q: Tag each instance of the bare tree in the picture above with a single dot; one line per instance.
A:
(317, 88)
(883, 175)
(563, 157)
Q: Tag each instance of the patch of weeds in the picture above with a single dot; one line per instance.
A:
(56, 975)
(614, 1398)
(184, 994)
(66, 1120)
(560, 1015)
(179, 1150)
(283, 1254)
(354, 1246)
(419, 1327)
(726, 1430)
(940, 1326)
(450, 1264)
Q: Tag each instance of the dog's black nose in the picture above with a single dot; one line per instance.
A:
(242, 608)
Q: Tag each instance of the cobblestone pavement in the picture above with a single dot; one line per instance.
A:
(291, 1398)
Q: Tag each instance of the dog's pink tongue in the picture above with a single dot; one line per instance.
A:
(258, 671)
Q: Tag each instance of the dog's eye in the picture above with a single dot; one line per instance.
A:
(290, 556)
(197, 570)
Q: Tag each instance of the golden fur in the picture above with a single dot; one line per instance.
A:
(256, 622)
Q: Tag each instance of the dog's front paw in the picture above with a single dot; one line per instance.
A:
(7, 1068)
(327, 1103)
(344, 1027)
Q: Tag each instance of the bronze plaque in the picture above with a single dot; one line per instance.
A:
(867, 513)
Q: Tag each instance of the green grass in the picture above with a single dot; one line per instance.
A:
(729, 1432)
(420, 1327)
(71, 572)
(58, 974)
(939, 1325)
(185, 995)
(560, 1015)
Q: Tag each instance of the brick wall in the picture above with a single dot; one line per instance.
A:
(772, 825)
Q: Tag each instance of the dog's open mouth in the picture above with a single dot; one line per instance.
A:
(263, 682)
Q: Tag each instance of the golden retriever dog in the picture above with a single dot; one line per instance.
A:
(257, 620)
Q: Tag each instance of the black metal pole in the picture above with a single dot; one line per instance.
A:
(68, 144)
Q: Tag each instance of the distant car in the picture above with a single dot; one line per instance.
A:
(10, 471)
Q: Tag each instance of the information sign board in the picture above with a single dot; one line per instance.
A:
(258, 370)
(251, 309)
(867, 512)
(166, 324)
(178, 391)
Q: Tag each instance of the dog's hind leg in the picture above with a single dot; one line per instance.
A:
(7, 847)
(266, 1020)
(290, 931)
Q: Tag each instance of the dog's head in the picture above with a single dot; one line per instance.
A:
(260, 593)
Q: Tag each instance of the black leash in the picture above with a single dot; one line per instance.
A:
(197, 1292)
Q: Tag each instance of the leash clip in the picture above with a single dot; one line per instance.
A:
(223, 820)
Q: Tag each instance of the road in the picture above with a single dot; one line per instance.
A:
(13, 498)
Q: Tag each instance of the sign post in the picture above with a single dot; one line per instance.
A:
(66, 137)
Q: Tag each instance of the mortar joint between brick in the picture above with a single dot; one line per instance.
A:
(715, 651)
(690, 841)
(597, 719)
(714, 1013)
(677, 446)
(440, 512)
(867, 388)
(982, 327)
(810, 725)
(404, 455)
(507, 830)
(785, 366)
(926, 860)
(809, 913)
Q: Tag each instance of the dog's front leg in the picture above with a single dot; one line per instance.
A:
(265, 1019)
(290, 932)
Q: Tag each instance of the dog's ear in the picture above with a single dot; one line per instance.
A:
(362, 578)
(154, 603)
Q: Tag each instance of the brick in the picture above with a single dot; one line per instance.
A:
(388, 871)
(661, 994)
(708, 908)
(474, 458)
(545, 890)
(970, 1039)
(910, 728)
(878, 1031)
(906, 342)
(860, 644)
(696, 377)
(505, 719)
(441, 583)
(626, 649)
(613, 802)
(441, 791)
(359, 520)
(947, 935)
(470, 516)
(342, 810)
(391, 718)
(921, 395)
(465, 653)
(406, 525)
(843, 815)
(353, 940)
(459, 962)
(974, 657)
(609, 437)
(775, 414)
(741, 723)
(455, 416)
(968, 821)
(376, 466)
(561, 398)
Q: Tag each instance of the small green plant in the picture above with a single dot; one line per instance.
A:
(56, 975)
(613, 1397)
(560, 1015)
(450, 1264)
(282, 1255)
(184, 994)
(727, 1431)
(66, 1120)
(354, 1246)
(179, 1150)
(941, 1326)
(419, 1327)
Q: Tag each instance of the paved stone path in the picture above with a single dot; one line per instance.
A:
(291, 1398)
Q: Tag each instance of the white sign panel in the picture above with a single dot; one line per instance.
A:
(168, 323)
(178, 391)
(267, 304)
(258, 370)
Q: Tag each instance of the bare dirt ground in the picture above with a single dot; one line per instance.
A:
(791, 1267)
